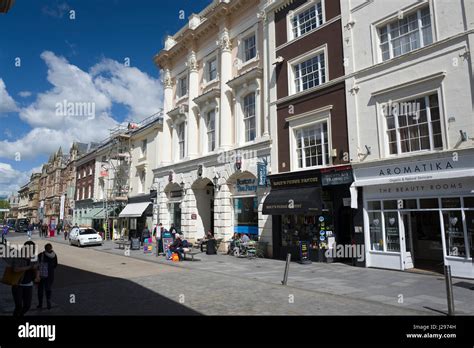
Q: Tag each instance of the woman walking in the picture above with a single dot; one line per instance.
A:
(48, 261)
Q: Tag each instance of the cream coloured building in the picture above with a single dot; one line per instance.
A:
(216, 125)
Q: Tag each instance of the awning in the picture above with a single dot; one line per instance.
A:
(101, 213)
(293, 201)
(134, 209)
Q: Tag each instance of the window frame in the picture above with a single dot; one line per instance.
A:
(301, 121)
(387, 22)
(182, 76)
(303, 8)
(426, 95)
(246, 118)
(181, 140)
(244, 35)
(212, 132)
(291, 68)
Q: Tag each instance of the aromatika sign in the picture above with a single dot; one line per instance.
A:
(452, 165)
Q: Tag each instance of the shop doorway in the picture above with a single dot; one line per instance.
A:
(423, 244)
(203, 190)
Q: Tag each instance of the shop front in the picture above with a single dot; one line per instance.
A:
(419, 214)
(310, 211)
(245, 206)
(136, 215)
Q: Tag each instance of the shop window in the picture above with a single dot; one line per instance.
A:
(391, 231)
(429, 203)
(376, 233)
(454, 202)
(468, 202)
(453, 228)
(390, 205)
(246, 215)
(470, 230)
(410, 204)
(374, 205)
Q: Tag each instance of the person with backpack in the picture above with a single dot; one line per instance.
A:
(48, 261)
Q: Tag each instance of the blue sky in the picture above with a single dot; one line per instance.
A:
(77, 60)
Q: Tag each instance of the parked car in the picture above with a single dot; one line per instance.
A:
(82, 236)
(22, 225)
(11, 223)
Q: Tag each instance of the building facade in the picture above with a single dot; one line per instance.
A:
(84, 209)
(13, 202)
(409, 95)
(309, 201)
(216, 124)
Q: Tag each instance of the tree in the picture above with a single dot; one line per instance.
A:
(4, 204)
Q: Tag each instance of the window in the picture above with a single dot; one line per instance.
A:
(83, 192)
(101, 189)
(310, 73)
(405, 35)
(182, 86)
(250, 48)
(143, 147)
(89, 191)
(307, 20)
(141, 181)
(414, 125)
(181, 141)
(78, 195)
(84, 173)
(453, 227)
(90, 170)
(249, 116)
(211, 133)
(212, 69)
(246, 215)
(376, 233)
(312, 146)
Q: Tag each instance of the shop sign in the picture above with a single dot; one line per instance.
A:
(303, 179)
(246, 185)
(262, 174)
(342, 177)
(438, 168)
(193, 216)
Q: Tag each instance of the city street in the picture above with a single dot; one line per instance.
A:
(104, 281)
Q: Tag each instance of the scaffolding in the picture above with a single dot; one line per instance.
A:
(119, 159)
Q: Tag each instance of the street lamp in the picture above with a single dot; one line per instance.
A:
(215, 180)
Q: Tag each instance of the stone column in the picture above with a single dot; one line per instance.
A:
(225, 114)
(223, 213)
(193, 92)
(164, 146)
(188, 207)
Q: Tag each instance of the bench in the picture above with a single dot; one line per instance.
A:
(202, 242)
(123, 243)
(192, 252)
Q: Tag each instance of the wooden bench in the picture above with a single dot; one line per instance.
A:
(123, 243)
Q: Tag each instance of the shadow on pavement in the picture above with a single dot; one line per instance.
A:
(79, 292)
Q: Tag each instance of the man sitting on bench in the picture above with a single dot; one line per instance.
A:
(177, 246)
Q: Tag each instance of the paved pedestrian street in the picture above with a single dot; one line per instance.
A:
(104, 281)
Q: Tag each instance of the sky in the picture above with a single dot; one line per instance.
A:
(72, 69)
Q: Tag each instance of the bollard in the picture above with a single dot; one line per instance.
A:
(287, 269)
(449, 289)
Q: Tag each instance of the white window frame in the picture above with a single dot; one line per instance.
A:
(83, 192)
(302, 58)
(394, 17)
(298, 11)
(298, 122)
(206, 77)
(181, 154)
(252, 31)
(244, 118)
(213, 132)
(384, 128)
(179, 77)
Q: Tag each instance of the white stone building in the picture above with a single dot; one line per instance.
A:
(216, 125)
(409, 83)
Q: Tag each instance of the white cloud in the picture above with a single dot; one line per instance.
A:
(11, 180)
(108, 82)
(7, 104)
(24, 94)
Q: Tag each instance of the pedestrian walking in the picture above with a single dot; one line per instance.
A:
(44, 230)
(48, 261)
(158, 234)
(30, 231)
(4, 233)
(23, 291)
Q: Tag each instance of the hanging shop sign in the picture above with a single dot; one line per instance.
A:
(176, 194)
(337, 177)
(246, 185)
(262, 174)
(304, 252)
